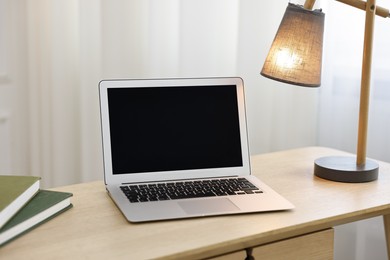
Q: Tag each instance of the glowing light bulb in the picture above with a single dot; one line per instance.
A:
(286, 59)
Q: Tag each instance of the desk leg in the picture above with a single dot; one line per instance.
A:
(386, 221)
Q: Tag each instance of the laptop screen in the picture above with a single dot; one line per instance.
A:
(170, 128)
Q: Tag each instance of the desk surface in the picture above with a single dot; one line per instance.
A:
(94, 227)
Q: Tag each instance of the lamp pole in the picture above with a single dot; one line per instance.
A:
(371, 10)
(365, 83)
(335, 168)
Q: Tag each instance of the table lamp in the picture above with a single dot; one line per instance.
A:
(295, 58)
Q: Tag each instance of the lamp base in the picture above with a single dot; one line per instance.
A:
(345, 169)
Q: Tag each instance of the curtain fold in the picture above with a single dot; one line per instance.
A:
(53, 78)
(280, 116)
(71, 45)
(339, 110)
(340, 92)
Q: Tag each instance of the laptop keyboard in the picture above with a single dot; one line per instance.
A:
(189, 189)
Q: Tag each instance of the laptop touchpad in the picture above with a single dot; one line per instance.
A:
(207, 206)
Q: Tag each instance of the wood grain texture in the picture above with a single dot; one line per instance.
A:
(386, 221)
(94, 228)
(314, 246)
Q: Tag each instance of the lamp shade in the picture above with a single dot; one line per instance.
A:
(295, 56)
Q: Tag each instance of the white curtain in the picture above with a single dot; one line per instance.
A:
(343, 52)
(71, 45)
(339, 110)
(56, 112)
(280, 116)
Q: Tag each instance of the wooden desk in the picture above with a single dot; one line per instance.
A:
(95, 229)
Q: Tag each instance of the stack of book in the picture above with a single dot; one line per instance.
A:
(24, 206)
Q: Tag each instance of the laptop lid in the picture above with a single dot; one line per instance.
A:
(168, 129)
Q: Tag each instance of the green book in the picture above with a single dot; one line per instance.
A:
(15, 192)
(41, 208)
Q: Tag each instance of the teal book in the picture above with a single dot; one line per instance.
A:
(15, 192)
(42, 207)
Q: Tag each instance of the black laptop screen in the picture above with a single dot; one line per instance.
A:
(174, 128)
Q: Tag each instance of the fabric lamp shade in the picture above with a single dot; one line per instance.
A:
(295, 56)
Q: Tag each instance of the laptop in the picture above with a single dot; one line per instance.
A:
(178, 148)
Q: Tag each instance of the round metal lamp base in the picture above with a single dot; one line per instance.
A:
(345, 169)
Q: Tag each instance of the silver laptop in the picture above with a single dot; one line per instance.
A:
(178, 148)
